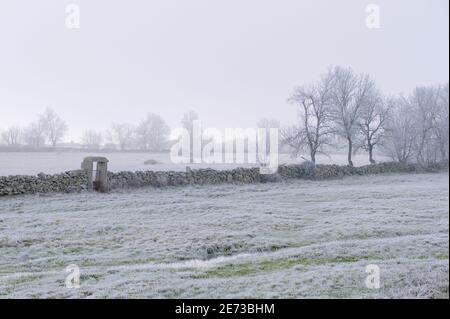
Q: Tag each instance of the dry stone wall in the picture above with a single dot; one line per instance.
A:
(76, 181)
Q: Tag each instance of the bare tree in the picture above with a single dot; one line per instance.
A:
(152, 133)
(55, 127)
(442, 122)
(424, 106)
(417, 130)
(91, 139)
(314, 129)
(188, 120)
(11, 136)
(400, 131)
(121, 134)
(349, 94)
(35, 134)
(372, 122)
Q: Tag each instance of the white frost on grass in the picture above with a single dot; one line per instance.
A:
(293, 239)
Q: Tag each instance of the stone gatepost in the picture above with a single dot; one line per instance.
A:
(98, 178)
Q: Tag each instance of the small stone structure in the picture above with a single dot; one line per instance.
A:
(98, 178)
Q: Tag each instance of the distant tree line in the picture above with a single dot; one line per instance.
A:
(48, 129)
(348, 106)
(342, 107)
(150, 134)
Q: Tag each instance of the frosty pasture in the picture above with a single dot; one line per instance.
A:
(294, 239)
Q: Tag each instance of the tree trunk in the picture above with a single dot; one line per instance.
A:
(443, 154)
(313, 157)
(371, 160)
(350, 150)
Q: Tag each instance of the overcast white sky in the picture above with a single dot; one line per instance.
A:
(233, 61)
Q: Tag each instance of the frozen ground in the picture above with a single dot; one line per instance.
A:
(32, 163)
(296, 239)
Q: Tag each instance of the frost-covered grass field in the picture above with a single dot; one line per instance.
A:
(285, 240)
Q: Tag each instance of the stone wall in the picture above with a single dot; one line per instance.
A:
(320, 172)
(73, 181)
(192, 177)
(76, 181)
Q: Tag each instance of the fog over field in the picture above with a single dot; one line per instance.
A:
(224, 149)
(33, 163)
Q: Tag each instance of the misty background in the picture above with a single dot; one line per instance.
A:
(232, 62)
